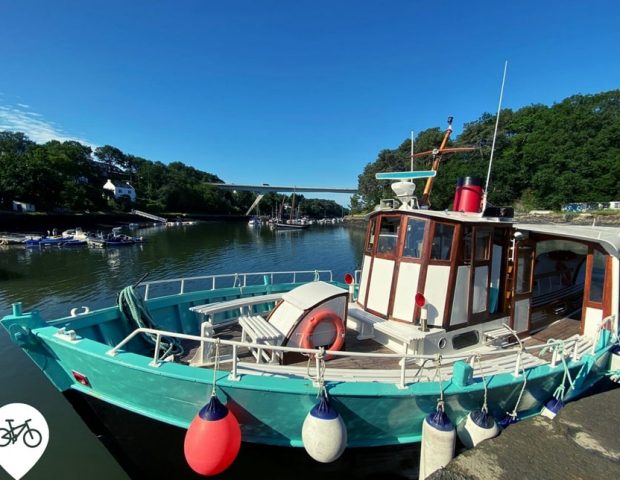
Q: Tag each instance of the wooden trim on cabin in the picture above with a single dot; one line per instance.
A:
(457, 251)
(371, 254)
(605, 303)
(400, 242)
(415, 260)
(429, 233)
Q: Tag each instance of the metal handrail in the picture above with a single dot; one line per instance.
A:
(403, 358)
(611, 320)
(238, 279)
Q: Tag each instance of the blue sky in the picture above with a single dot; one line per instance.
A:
(288, 92)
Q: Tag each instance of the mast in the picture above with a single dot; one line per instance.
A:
(437, 154)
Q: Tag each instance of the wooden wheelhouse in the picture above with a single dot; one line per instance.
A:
(477, 273)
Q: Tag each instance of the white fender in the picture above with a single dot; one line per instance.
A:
(438, 441)
(324, 433)
(552, 408)
(476, 427)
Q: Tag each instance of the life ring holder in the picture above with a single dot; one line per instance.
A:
(313, 323)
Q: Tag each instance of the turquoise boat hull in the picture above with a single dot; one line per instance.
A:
(270, 409)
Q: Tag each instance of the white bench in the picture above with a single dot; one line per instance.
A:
(398, 336)
(242, 304)
(260, 330)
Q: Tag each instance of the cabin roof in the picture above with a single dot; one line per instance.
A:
(462, 217)
(607, 237)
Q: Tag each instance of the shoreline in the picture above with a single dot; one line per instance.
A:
(39, 223)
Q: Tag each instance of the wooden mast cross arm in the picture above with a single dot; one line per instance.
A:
(437, 155)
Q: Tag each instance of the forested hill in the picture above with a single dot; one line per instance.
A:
(69, 176)
(544, 156)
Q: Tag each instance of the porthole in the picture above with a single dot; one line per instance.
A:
(442, 343)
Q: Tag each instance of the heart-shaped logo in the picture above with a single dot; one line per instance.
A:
(23, 438)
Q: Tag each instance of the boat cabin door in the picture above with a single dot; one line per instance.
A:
(520, 271)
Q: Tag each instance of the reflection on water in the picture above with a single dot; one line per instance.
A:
(54, 280)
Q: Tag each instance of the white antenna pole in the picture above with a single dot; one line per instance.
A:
(499, 107)
(412, 150)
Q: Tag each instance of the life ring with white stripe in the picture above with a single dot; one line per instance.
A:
(318, 318)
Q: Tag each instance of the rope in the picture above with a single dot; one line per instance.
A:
(484, 408)
(133, 310)
(558, 346)
(320, 378)
(215, 366)
(440, 402)
(514, 414)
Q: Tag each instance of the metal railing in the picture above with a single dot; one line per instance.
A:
(234, 280)
(403, 358)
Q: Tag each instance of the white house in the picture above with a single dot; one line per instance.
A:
(120, 189)
(23, 206)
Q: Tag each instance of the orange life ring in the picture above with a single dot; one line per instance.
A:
(317, 318)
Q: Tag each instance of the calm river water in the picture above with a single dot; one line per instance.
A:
(55, 280)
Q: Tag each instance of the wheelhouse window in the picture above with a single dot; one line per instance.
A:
(388, 235)
(483, 240)
(371, 236)
(467, 244)
(414, 238)
(598, 277)
(524, 269)
(442, 241)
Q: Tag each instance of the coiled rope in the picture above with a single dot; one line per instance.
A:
(133, 310)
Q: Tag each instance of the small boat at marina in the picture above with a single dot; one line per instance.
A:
(454, 313)
(112, 239)
(290, 226)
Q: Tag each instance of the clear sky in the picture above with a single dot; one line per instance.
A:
(289, 92)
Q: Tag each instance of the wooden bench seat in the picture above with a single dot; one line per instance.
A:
(260, 330)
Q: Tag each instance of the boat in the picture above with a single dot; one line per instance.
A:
(290, 226)
(112, 239)
(455, 315)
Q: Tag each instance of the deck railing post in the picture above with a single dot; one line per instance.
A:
(517, 371)
(155, 362)
(182, 287)
(554, 356)
(232, 376)
(403, 368)
(146, 291)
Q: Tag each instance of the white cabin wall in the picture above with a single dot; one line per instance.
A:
(481, 277)
(361, 295)
(461, 296)
(380, 285)
(406, 288)
(521, 315)
(592, 320)
(435, 291)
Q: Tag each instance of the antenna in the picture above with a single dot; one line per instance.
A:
(412, 150)
(499, 107)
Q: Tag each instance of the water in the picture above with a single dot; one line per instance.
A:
(55, 280)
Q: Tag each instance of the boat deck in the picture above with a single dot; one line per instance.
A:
(497, 358)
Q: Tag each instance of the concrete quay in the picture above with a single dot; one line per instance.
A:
(582, 442)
